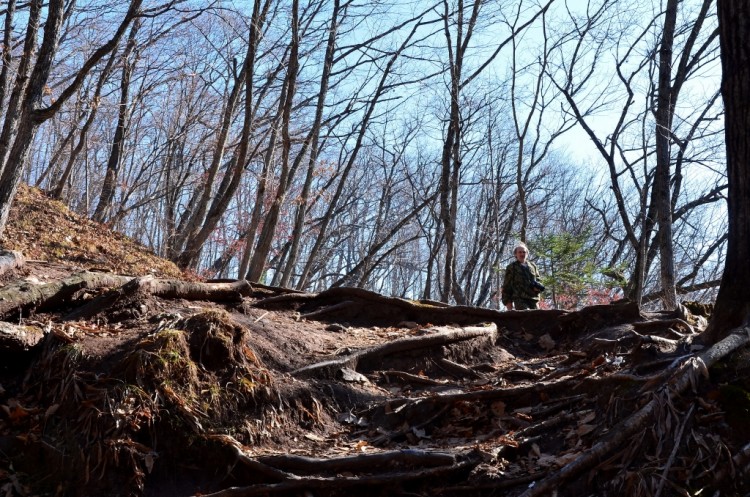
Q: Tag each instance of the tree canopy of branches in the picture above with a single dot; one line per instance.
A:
(398, 147)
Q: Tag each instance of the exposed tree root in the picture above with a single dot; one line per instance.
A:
(214, 292)
(15, 338)
(688, 374)
(167, 289)
(457, 400)
(364, 462)
(455, 369)
(372, 355)
(20, 297)
(410, 378)
(377, 470)
(359, 305)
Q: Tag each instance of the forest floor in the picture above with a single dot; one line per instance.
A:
(121, 376)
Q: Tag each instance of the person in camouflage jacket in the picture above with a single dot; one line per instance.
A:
(521, 287)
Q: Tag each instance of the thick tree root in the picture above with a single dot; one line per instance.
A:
(167, 289)
(538, 397)
(687, 375)
(375, 470)
(20, 297)
(373, 355)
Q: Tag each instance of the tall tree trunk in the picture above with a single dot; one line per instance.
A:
(661, 192)
(123, 118)
(259, 206)
(7, 49)
(312, 138)
(260, 254)
(192, 220)
(190, 254)
(363, 126)
(451, 156)
(733, 301)
(16, 101)
(260, 197)
(26, 98)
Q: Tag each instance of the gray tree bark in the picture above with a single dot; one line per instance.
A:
(258, 261)
(129, 58)
(733, 301)
(312, 140)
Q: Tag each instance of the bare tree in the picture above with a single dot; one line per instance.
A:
(25, 112)
(371, 105)
(311, 142)
(129, 59)
(667, 95)
(257, 264)
(732, 303)
(458, 43)
(313, 152)
(653, 191)
(205, 225)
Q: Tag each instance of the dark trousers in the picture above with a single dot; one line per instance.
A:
(524, 304)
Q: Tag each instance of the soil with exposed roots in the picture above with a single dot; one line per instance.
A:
(156, 384)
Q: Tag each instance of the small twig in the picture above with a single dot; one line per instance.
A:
(676, 333)
(261, 317)
(656, 339)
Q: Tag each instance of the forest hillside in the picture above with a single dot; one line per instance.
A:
(400, 147)
(120, 376)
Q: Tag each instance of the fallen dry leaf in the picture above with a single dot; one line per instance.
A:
(584, 429)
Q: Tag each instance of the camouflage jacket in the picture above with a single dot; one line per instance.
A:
(518, 281)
